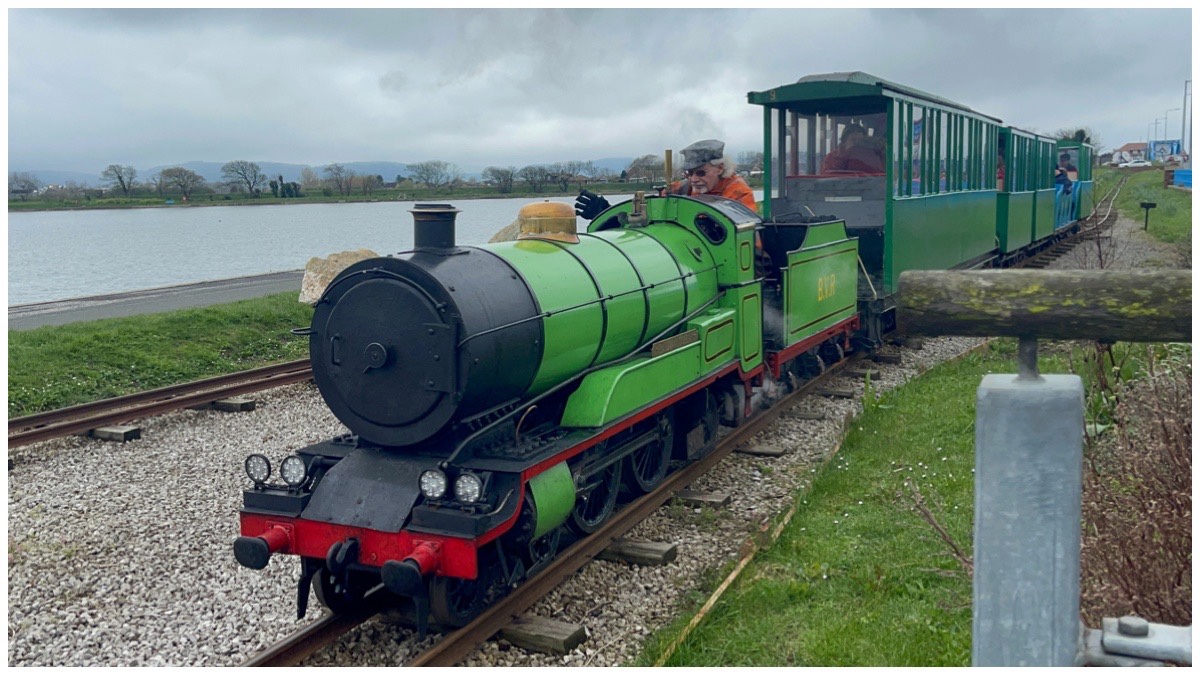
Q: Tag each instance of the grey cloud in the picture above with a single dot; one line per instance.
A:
(155, 87)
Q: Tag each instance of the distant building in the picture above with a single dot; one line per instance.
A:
(1130, 152)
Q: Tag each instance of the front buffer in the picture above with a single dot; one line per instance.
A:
(360, 515)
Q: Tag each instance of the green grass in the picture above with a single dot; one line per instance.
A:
(57, 366)
(857, 578)
(1170, 221)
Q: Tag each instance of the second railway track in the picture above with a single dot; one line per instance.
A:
(81, 418)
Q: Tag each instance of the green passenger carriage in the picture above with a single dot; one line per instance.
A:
(1076, 157)
(1025, 199)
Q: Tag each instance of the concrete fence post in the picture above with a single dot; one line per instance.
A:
(1028, 483)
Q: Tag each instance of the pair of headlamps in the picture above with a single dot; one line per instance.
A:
(468, 487)
(292, 470)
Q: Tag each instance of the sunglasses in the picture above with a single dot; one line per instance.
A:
(699, 173)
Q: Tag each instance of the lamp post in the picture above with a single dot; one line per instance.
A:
(1183, 122)
(1166, 115)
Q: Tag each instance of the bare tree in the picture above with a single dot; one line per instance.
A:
(309, 178)
(501, 176)
(434, 173)
(159, 183)
(579, 171)
(559, 176)
(370, 184)
(646, 167)
(184, 180)
(246, 173)
(22, 184)
(341, 177)
(750, 161)
(535, 175)
(117, 175)
(1080, 134)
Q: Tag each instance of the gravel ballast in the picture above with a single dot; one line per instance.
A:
(121, 554)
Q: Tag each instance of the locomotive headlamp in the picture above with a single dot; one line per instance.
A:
(293, 471)
(258, 468)
(468, 488)
(433, 484)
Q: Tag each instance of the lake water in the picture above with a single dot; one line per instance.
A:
(54, 255)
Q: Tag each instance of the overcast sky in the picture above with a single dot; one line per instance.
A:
(89, 88)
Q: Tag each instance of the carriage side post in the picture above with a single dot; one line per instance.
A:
(1029, 436)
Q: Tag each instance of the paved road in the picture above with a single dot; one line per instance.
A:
(152, 300)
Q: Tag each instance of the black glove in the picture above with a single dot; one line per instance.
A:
(588, 204)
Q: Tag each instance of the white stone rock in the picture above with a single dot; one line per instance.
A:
(320, 271)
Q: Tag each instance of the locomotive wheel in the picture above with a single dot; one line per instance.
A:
(809, 366)
(542, 549)
(832, 353)
(594, 506)
(342, 595)
(454, 602)
(648, 465)
(533, 552)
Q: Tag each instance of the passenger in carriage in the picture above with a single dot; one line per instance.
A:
(856, 153)
(1061, 178)
(1064, 163)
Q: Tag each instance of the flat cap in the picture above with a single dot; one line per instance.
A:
(701, 152)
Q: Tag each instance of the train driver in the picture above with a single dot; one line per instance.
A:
(708, 172)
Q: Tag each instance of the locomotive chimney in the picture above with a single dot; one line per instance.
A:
(433, 225)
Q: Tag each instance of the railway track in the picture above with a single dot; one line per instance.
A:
(81, 418)
(456, 645)
(1088, 230)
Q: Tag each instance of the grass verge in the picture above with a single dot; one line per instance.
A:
(57, 366)
(858, 578)
(1171, 220)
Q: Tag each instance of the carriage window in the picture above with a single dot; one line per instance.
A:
(833, 145)
(918, 137)
(943, 163)
(900, 148)
(993, 132)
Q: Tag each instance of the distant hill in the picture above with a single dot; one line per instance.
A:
(53, 177)
(211, 171)
(614, 164)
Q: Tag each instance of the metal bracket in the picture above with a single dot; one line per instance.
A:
(1133, 636)
(1133, 641)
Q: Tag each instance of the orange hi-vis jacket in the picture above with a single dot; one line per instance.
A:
(734, 187)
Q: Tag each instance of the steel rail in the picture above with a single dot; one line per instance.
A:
(308, 640)
(456, 645)
(66, 421)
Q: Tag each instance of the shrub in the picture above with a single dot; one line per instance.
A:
(1137, 505)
